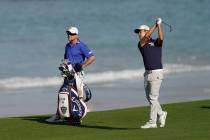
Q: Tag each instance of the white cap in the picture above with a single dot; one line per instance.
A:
(72, 30)
(142, 27)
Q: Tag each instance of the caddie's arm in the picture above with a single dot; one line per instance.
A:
(65, 61)
(89, 61)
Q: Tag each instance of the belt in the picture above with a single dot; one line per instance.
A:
(151, 71)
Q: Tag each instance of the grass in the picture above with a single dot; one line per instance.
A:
(186, 121)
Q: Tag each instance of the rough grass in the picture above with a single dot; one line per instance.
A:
(185, 121)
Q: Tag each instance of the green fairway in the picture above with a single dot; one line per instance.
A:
(185, 121)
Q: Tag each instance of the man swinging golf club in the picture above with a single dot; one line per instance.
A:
(151, 51)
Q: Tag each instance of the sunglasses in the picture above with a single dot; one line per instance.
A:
(70, 34)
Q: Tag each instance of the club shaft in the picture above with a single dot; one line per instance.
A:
(167, 25)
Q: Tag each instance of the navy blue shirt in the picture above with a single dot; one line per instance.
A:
(76, 53)
(152, 54)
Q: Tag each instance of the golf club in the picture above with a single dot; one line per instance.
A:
(167, 25)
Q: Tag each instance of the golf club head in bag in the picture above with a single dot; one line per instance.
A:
(67, 70)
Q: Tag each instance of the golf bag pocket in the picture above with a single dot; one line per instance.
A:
(87, 93)
(78, 107)
(63, 104)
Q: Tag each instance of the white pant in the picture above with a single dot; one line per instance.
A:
(152, 84)
(79, 77)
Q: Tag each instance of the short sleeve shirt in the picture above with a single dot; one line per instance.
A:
(152, 54)
(77, 53)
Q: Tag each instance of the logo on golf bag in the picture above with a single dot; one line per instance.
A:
(79, 108)
(63, 104)
(63, 109)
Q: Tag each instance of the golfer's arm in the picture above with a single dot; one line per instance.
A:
(145, 39)
(160, 32)
(149, 33)
(89, 61)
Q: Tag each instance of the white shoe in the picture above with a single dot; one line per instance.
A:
(162, 119)
(149, 125)
(53, 119)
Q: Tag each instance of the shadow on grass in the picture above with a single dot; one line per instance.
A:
(41, 119)
(104, 127)
(205, 107)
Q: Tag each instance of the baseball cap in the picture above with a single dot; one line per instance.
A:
(72, 30)
(142, 27)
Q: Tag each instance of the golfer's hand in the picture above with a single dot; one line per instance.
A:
(158, 21)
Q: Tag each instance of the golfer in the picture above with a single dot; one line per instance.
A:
(151, 51)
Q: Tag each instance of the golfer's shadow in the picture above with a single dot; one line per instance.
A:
(104, 127)
(41, 119)
(205, 107)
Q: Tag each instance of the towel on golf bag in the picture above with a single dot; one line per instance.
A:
(71, 106)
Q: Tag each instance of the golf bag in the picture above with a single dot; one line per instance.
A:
(70, 106)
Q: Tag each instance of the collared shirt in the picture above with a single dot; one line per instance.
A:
(77, 53)
(152, 54)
